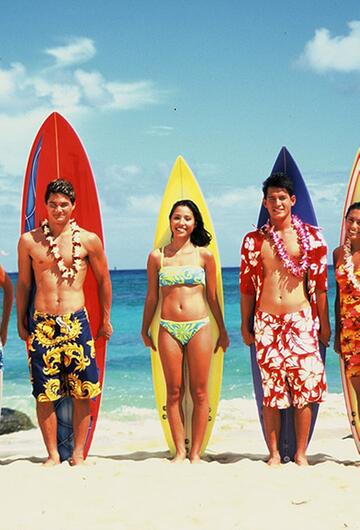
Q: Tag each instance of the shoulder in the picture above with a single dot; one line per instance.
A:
(313, 230)
(205, 253)
(89, 239)
(154, 257)
(316, 236)
(206, 257)
(155, 254)
(28, 239)
(252, 239)
(336, 254)
(91, 243)
(254, 234)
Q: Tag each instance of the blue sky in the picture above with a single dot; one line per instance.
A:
(225, 84)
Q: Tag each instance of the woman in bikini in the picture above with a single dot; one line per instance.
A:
(347, 302)
(185, 272)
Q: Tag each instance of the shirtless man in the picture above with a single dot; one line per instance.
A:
(61, 349)
(283, 279)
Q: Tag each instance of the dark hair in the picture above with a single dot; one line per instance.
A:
(278, 179)
(353, 206)
(60, 186)
(199, 236)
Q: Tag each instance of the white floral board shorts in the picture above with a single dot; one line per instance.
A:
(287, 350)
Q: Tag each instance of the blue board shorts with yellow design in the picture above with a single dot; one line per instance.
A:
(61, 356)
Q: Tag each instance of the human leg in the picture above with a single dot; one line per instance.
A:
(171, 355)
(48, 425)
(306, 375)
(302, 419)
(81, 375)
(355, 381)
(199, 351)
(272, 424)
(81, 420)
(269, 353)
(44, 359)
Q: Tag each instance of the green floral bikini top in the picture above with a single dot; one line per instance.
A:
(180, 274)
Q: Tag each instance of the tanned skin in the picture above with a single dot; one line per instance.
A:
(56, 295)
(283, 293)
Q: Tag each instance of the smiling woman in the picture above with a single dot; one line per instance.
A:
(347, 344)
(183, 284)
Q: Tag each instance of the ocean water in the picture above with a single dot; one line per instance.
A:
(128, 389)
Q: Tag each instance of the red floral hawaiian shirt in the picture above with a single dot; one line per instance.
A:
(251, 268)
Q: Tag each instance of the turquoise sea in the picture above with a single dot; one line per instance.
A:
(128, 384)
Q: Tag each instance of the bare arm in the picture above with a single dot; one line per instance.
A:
(337, 346)
(212, 299)
(323, 313)
(322, 308)
(23, 286)
(151, 301)
(247, 306)
(99, 265)
(7, 304)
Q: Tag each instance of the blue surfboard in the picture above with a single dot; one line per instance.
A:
(303, 208)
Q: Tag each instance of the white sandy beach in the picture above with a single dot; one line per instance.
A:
(128, 483)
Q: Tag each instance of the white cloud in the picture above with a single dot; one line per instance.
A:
(4, 253)
(114, 95)
(145, 203)
(325, 52)
(28, 96)
(10, 80)
(16, 135)
(58, 95)
(76, 51)
(131, 95)
(236, 197)
(332, 193)
(160, 130)
(22, 91)
(93, 86)
(131, 170)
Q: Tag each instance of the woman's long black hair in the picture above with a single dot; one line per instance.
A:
(199, 236)
(353, 206)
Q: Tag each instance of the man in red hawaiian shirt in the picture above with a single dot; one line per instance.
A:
(283, 283)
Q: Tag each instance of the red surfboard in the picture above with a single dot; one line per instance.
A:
(57, 152)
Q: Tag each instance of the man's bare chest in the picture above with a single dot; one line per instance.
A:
(272, 254)
(43, 255)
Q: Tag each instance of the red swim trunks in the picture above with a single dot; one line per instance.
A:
(288, 356)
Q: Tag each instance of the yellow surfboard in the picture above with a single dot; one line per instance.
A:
(352, 195)
(183, 185)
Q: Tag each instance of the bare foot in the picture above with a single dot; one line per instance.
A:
(274, 460)
(76, 460)
(179, 457)
(52, 461)
(301, 460)
(195, 459)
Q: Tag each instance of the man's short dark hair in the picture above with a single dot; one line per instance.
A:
(278, 179)
(60, 186)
